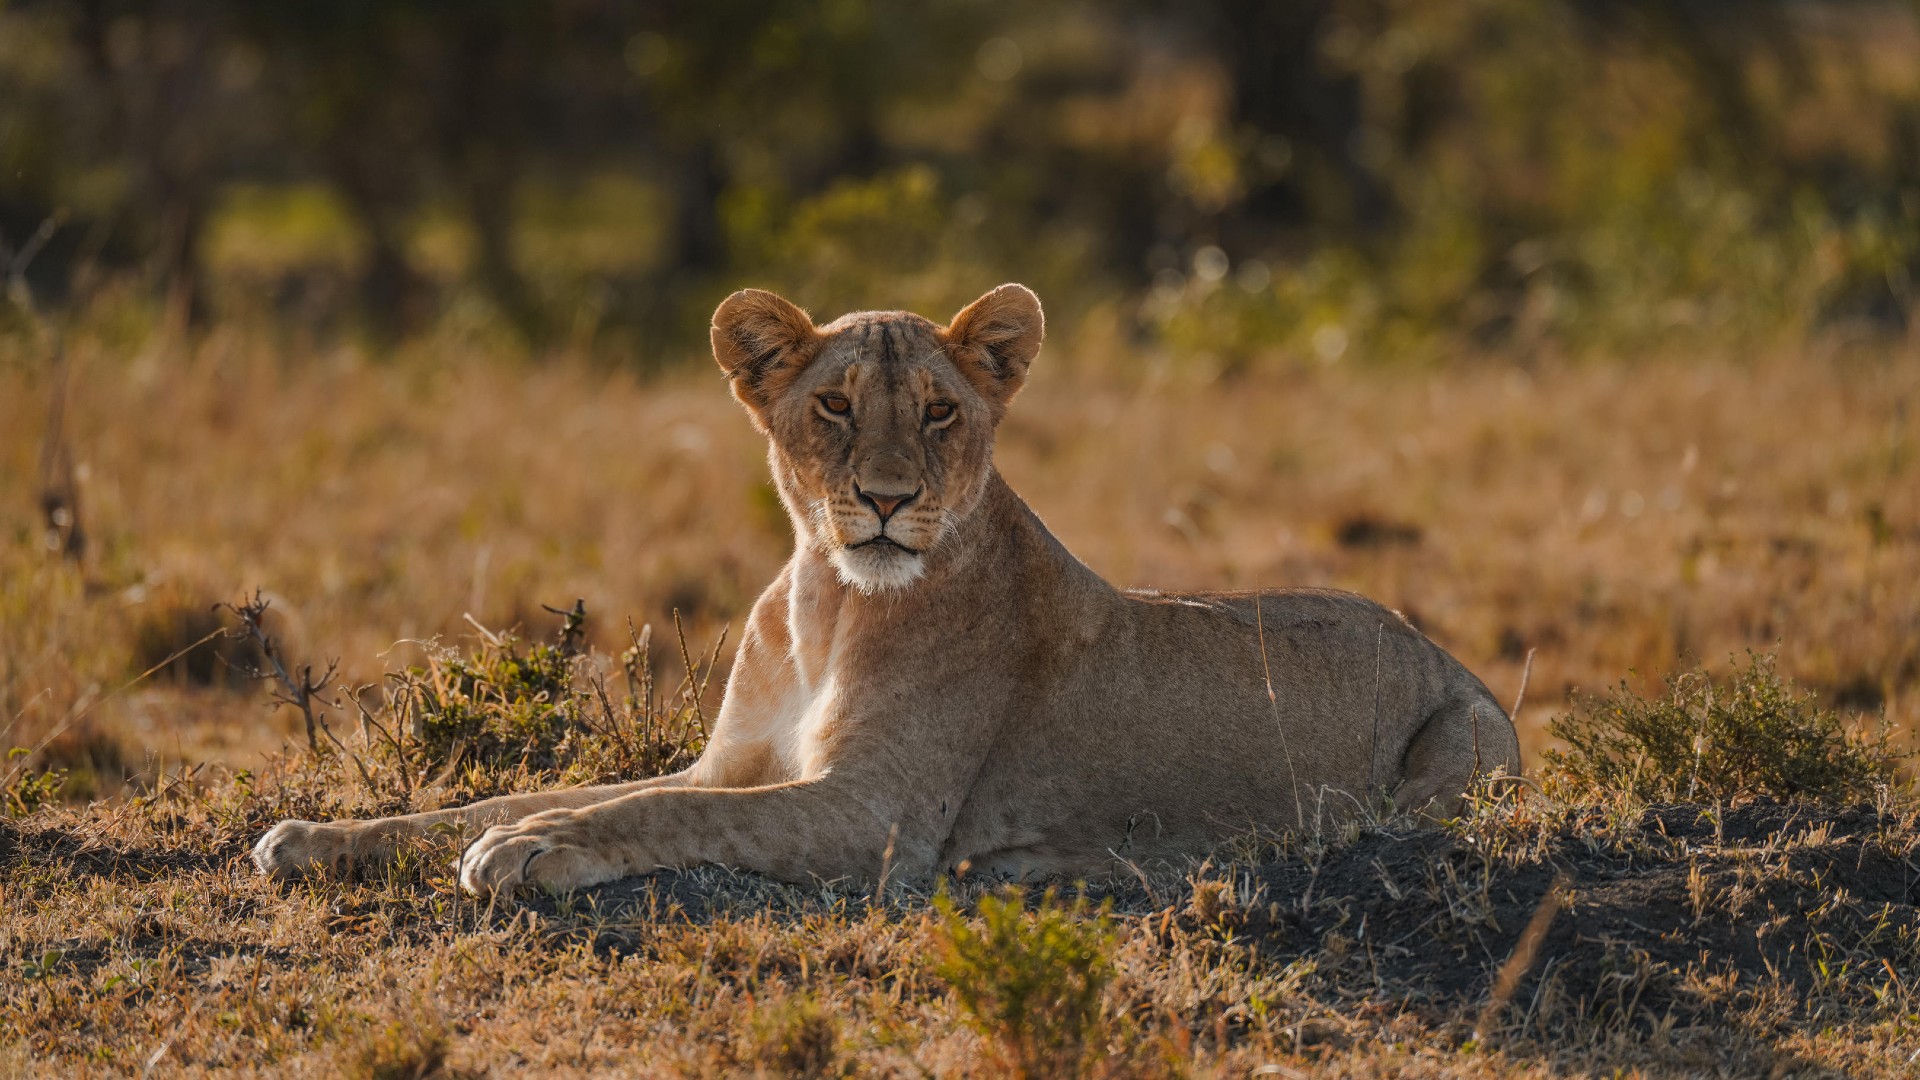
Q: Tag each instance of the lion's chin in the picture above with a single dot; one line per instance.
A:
(878, 567)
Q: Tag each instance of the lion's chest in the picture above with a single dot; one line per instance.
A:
(803, 728)
(805, 720)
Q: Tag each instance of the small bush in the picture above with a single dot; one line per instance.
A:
(540, 712)
(28, 789)
(1752, 733)
(506, 701)
(1029, 981)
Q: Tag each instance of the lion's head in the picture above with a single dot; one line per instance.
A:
(881, 424)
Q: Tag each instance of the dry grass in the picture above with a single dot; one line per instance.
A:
(1614, 517)
(1759, 938)
(1617, 518)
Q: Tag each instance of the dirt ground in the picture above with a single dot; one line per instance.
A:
(1758, 939)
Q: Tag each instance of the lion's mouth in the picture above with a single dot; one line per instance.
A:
(883, 541)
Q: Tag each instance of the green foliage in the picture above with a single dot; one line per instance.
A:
(1318, 179)
(506, 700)
(1751, 733)
(1556, 178)
(538, 712)
(1030, 981)
(27, 789)
(43, 968)
(891, 235)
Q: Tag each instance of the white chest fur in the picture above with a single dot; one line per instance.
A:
(812, 700)
(799, 738)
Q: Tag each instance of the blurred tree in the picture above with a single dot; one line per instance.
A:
(1296, 104)
(171, 100)
(1389, 172)
(359, 123)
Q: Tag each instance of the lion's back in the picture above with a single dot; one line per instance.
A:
(1166, 717)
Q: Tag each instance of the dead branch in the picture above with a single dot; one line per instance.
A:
(59, 491)
(573, 632)
(299, 691)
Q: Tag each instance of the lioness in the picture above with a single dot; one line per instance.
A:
(933, 683)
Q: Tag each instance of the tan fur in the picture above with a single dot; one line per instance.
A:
(965, 695)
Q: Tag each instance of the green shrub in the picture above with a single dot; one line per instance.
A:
(556, 712)
(26, 789)
(1029, 981)
(1752, 733)
(506, 701)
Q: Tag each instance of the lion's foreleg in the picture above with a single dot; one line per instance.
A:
(796, 831)
(293, 847)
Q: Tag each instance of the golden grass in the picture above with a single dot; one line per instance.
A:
(1614, 517)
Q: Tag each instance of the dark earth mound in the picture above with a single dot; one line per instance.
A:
(1685, 911)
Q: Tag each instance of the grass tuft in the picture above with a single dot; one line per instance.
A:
(797, 1037)
(507, 699)
(1029, 980)
(30, 788)
(1751, 733)
(413, 1047)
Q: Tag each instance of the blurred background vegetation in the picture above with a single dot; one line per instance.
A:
(1234, 182)
(1582, 326)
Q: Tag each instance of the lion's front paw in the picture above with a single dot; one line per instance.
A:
(551, 850)
(293, 848)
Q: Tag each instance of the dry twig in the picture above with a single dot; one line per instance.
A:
(573, 631)
(301, 691)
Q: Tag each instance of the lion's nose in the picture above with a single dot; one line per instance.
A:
(885, 505)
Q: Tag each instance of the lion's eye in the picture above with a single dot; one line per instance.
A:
(939, 410)
(837, 404)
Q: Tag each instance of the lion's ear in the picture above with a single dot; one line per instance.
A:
(761, 341)
(995, 338)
